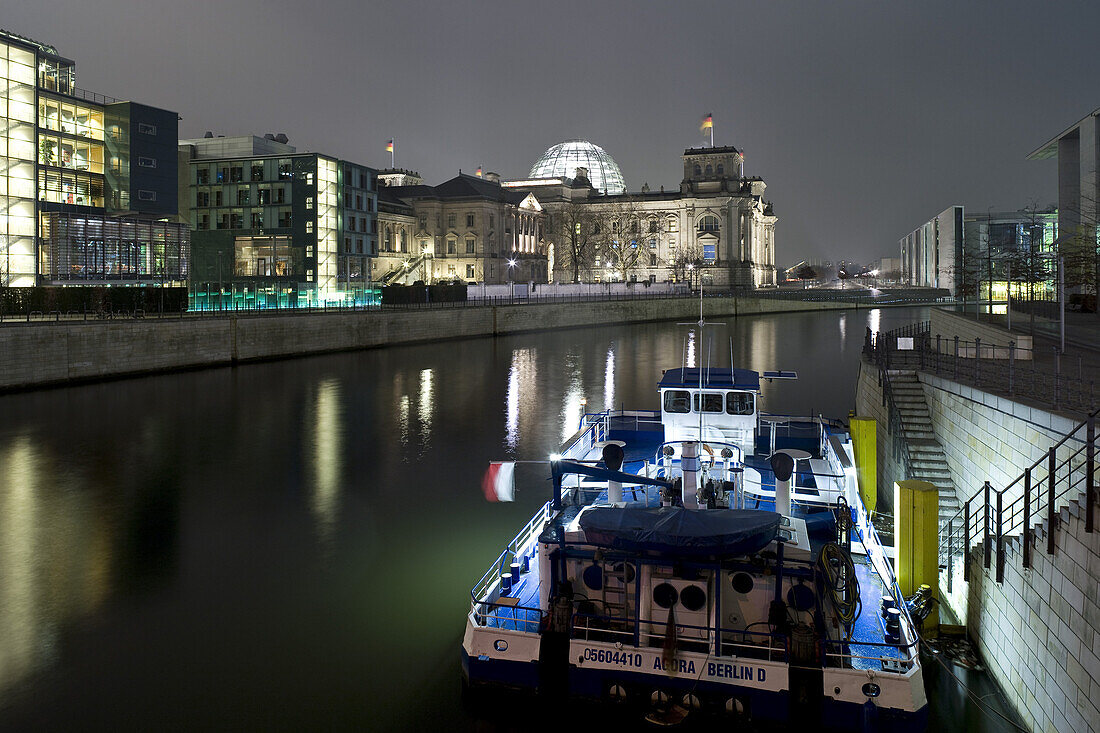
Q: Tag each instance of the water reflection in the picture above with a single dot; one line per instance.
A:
(327, 458)
(522, 394)
(424, 409)
(689, 352)
(573, 401)
(54, 560)
(169, 534)
(609, 380)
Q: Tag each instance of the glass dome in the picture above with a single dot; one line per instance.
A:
(564, 158)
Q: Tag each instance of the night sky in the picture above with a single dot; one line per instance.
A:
(865, 119)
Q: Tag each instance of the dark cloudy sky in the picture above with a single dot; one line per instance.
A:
(865, 119)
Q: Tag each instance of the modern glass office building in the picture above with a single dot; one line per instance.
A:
(83, 179)
(274, 227)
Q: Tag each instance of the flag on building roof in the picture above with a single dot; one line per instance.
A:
(389, 146)
(479, 171)
(708, 122)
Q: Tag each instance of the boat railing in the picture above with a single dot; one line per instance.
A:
(524, 542)
(653, 634)
(839, 653)
(507, 616)
(881, 564)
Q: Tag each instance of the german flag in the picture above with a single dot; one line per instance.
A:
(708, 123)
(389, 146)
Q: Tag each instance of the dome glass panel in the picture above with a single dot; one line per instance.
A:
(564, 158)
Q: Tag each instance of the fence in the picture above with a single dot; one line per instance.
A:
(986, 366)
(991, 516)
(210, 306)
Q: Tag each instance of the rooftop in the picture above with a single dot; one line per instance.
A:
(1049, 149)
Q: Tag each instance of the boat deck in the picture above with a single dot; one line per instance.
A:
(519, 610)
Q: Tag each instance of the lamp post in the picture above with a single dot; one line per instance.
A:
(690, 268)
(511, 284)
(1060, 284)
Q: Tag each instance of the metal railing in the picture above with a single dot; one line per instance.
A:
(484, 596)
(211, 307)
(991, 517)
(648, 634)
(990, 367)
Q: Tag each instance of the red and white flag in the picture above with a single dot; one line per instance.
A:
(499, 483)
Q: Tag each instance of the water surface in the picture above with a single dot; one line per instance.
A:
(291, 545)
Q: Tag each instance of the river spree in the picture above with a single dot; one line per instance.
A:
(291, 545)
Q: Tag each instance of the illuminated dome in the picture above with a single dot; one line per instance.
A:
(564, 158)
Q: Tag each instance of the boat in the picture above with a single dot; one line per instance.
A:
(702, 559)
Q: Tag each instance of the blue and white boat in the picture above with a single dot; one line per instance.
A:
(705, 558)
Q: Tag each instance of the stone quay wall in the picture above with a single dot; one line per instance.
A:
(52, 353)
(1039, 630)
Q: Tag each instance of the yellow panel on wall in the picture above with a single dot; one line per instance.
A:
(865, 445)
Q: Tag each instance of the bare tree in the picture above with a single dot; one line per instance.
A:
(574, 230)
(684, 264)
(626, 232)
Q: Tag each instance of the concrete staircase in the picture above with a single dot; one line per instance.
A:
(926, 455)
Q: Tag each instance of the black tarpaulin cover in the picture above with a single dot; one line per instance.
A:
(680, 531)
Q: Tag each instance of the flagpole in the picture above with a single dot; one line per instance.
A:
(712, 130)
(393, 147)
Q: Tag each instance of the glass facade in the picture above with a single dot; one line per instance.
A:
(94, 247)
(563, 159)
(327, 201)
(265, 257)
(17, 166)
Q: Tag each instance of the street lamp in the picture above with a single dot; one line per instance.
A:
(690, 268)
(511, 284)
(1060, 284)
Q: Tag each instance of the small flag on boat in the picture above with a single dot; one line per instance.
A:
(479, 171)
(499, 483)
(389, 146)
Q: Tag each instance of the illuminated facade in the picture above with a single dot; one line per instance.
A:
(81, 178)
(716, 229)
(274, 226)
(565, 158)
(471, 229)
(965, 252)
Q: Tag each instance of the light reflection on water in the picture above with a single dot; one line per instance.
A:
(292, 544)
(327, 457)
(609, 380)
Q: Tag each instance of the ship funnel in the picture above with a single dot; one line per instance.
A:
(613, 458)
(783, 468)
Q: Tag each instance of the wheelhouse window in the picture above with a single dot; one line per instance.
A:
(708, 402)
(739, 403)
(677, 401)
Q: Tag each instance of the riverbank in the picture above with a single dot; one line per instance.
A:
(41, 354)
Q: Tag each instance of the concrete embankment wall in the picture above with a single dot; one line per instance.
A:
(38, 354)
(948, 324)
(1039, 630)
